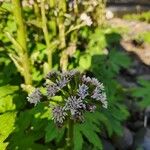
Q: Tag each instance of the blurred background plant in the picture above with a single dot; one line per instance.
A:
(38, 36)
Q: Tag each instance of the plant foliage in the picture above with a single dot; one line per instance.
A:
(142, 93)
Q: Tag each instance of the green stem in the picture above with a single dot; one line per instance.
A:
(52, 22)
(62, 36)
(64, 61)
(46, 35)
(37, 11)
(75, 28)
(69, 140)
(61, 26)
(21, 38)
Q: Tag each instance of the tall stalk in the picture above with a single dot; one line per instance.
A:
(61, 26)
(46, 35)
(52, 22)
(21, 39)
(62, 36)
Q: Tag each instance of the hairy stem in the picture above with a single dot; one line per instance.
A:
(62, 36)
(46, 35)
(61, 26)
(21, 39)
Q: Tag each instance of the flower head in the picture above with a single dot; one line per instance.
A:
(52, 90)
(62, 82)
(100, 96)
(35, 97)
(86, 19)
(83, 91)
(86, 79)
(59, 114)
(73, 104)
(99, 85)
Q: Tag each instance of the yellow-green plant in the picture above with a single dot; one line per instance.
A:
(20, 57)
(56, 24)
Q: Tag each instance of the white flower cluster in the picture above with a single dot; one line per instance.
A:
(86, 19)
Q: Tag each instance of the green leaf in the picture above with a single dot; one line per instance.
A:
(91, 135)
(85, 62)
(119, 59)
(78, 139)
(142, 93)
(7, 90)
(100, 118)
(28, 131)
(7, 121)
(23, 141)
(116, 125)
(3, 146)
(6, 104)
(53, 133)
(120, 112)
(97, 42)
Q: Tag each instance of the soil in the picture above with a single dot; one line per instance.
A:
(141, 49)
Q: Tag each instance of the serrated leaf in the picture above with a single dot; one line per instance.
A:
(78, 139)
(23, 141)
(91, 135)
(53, 133)
(142, 92)
(7, 90)
(145, 102)
(120, 112)
(28, 131)
(119, 59)
(116, 125)
(85, 62)
(6, 104)
(100, 118)
(3, 146)
(7, 121)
